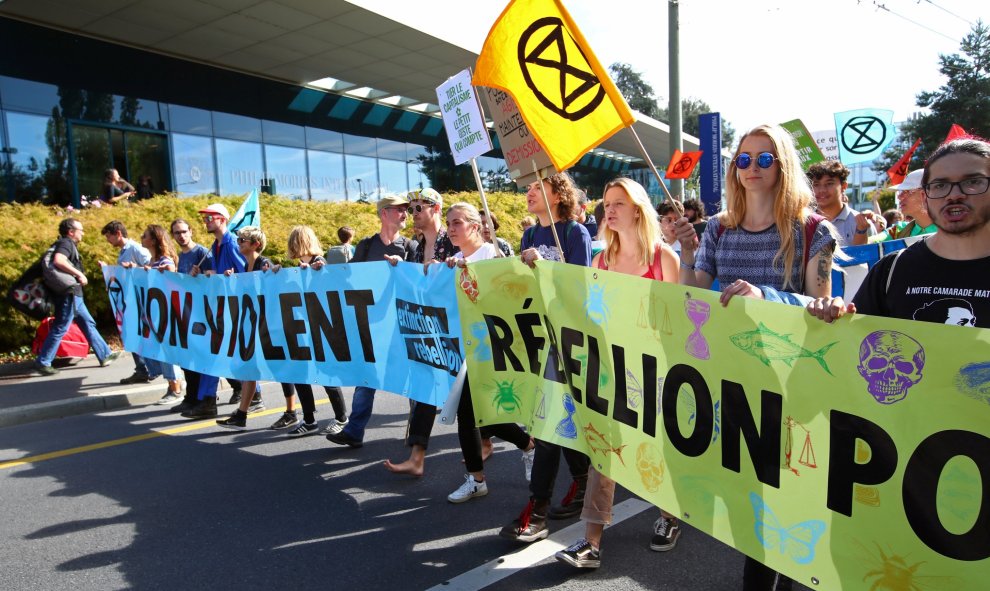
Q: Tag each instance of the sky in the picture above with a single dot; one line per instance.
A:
(767, 61)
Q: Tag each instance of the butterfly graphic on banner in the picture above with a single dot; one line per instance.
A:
(796, 542)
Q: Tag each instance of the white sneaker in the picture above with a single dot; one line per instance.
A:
(468, 490)
(334, 427)
(527, 458)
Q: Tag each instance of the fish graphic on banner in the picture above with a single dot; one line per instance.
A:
(249, 214)
(863, 134)
(535, 53)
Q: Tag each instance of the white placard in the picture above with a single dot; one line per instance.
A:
(462, 118)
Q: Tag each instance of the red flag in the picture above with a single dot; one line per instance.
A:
(681, 164)
(955, 132)
(899, 170)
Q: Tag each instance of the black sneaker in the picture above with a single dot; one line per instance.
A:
(666, 530)
(237, 421)
(286, 421)
(137, 377)
(573, 501)
(343, 438)
(187, 404)
(235, 397)
(531, 525)
(45, 370)
(110, 358)
(257, 404)
(304, 429)
(204, 409)
(580, 554)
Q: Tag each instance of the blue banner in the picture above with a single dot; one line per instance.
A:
(863, 134)
(368, 324)
(710, 168)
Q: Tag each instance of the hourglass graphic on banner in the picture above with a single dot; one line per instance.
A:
(698, 313)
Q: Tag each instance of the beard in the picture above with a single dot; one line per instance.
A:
(977, 220)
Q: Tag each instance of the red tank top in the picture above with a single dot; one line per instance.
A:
(654, 272)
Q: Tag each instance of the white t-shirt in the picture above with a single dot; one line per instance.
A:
(487, 251)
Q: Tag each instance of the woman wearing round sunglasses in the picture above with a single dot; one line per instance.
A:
(756, 247)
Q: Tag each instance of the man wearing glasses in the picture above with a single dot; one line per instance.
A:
(392, 212)
(225, 255)
(911, 202)
(950, 264)
(70, 307)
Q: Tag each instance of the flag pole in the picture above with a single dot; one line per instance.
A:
(649, 162)
(484, 204)
(546, 200)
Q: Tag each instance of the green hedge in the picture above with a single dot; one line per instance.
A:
(29, 229)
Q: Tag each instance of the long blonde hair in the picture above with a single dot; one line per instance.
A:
(790, 203)
(648, 234)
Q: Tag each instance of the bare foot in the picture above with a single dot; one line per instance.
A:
(487, 449)
(408, 467)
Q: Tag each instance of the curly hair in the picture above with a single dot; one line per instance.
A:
(163, 246)
(832, 168)
(562, 185)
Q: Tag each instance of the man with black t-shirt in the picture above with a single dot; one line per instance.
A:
(943, 278)
(70, 307)
(388, 242)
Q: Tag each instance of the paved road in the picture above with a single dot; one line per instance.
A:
(157, 502)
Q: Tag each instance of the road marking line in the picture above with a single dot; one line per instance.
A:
(506, 566)
(195, 426)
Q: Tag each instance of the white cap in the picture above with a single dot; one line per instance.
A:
(911, 181)
(217, 209)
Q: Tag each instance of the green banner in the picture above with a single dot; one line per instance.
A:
(807, 147)
(852, 456)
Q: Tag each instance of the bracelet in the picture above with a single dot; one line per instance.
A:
(687, 266)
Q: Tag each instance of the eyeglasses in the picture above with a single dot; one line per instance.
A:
(180, 232)
(763, 160)
(241, 240)
(976, 185)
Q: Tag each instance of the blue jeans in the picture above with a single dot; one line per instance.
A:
(157, 368)
(69, 309)
(361, 405)
(141, 365)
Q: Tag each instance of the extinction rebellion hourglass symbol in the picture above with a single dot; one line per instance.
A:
(698, 312)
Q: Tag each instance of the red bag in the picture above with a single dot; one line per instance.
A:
(74, 343)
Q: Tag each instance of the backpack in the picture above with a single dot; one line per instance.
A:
(56, 280)
(571, 224)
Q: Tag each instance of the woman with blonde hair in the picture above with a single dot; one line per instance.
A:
(464, 228)
(305, 247)
(634, 245)
(767, 244)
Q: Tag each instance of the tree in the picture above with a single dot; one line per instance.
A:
(637, 92)
(963, 99)
(690, 109)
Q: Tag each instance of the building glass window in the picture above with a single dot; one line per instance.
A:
(288, 167)
(236, 127)
(24, 95)
(362, 178)
(326, 176)
(239, 166)
(391, 150)
(360, 146)
(192, 161)
(283, 134)
(38, 168)
(190, 120)
(322, 139)
(135, 112)
(392, 176)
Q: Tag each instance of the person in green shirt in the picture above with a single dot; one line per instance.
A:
(911, 202)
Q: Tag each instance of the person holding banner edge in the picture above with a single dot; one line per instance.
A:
(552, 200)
(635, 246)
(768, 199)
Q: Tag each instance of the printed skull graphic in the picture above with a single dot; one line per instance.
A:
(890, 362)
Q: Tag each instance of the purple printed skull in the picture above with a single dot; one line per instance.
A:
(890, 362)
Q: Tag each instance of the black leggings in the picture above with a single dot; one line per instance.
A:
(547, 462)
(470, 436)
(421, 419)
(308, 404)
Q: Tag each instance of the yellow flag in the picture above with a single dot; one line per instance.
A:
(536, 53)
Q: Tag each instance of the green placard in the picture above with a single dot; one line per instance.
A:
(806, 146)
(854, 455)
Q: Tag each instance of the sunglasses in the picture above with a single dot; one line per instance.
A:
(418, 208)
(208, 218)
(243, 240)
(763, 160)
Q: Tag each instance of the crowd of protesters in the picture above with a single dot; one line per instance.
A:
(776, 239)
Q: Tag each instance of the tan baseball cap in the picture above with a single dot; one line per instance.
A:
(391, 201)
